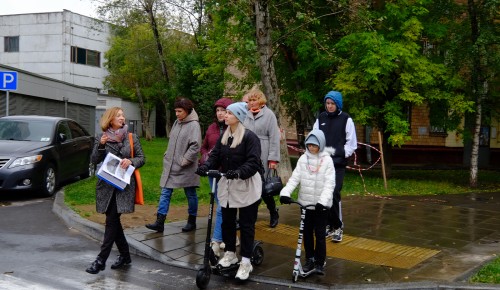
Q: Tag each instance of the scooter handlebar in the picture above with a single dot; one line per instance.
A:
(214, 173)
(310, 206)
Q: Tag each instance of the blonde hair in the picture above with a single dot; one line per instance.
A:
(108, 116)
(237, 135)
(257, 95)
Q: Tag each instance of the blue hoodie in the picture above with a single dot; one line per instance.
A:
(336, 97)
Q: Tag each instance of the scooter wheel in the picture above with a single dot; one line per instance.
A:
(257, 255)
(295, 277)
(203, 277)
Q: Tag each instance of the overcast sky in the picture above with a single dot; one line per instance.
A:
(84, 7)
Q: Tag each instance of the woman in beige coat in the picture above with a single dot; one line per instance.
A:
(180, 162)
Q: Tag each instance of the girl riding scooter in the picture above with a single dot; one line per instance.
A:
(237, 154)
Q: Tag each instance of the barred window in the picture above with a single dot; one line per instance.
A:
(85, 56)
(11, 44)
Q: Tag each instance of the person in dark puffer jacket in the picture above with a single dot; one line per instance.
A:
(237, 155)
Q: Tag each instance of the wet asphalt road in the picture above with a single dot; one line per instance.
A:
(38, 251)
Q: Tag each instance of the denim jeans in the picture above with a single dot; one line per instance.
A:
(166, 194)
(217, 233)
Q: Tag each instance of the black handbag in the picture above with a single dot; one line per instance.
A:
(272, 184)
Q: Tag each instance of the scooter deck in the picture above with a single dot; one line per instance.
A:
(226, 271)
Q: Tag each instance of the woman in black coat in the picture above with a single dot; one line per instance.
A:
(109, 199)
(237, 154)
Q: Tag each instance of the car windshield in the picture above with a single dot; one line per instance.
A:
(20, 130)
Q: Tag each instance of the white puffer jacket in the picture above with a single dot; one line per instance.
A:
(315, 174)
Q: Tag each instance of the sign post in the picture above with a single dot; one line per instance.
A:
(8, 82)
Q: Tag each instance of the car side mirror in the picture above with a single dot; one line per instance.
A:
(62, 137)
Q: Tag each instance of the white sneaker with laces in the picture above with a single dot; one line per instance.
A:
(244, 271)
(337, 235)
(228, 259)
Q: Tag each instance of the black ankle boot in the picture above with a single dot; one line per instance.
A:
(96, 267)
(190, 225)
(121, 261)
(274, 218)
(159, 224)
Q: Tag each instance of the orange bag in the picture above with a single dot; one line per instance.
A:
(139, 195)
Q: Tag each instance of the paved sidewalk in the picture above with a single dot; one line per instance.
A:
(427, 242)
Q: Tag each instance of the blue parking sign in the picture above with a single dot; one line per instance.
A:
(8, 80)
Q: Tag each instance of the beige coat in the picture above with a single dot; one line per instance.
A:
(181, 158)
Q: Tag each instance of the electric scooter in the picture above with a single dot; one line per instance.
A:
(297, 266)
(209, 259)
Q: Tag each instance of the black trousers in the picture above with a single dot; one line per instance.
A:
(315, 226)
(334, 217)
(248, 217)
(113, 233)
(270, 203)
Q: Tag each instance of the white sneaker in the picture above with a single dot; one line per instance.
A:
(228, 259)
(337, 235)
(222, 245)
(216, 248)
(244, 271)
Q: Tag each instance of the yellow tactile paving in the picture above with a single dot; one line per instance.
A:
(351, 248)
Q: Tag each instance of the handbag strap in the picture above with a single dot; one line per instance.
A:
(131, 141)
(275, 173)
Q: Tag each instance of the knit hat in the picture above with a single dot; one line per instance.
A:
(336, 97)
(317, 137)
(312, 140)
(239, 110)
(223, 102)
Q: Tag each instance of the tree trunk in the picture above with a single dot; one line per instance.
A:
(146, 130)
(268, 78)
(148, 7)
(168, 125)
(478, 90)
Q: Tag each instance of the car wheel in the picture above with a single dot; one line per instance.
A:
(49, 181)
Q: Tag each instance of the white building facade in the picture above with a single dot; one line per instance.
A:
(61, 45)
(66, 47)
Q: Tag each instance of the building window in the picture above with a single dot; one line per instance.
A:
(11, 44)
(85, 56)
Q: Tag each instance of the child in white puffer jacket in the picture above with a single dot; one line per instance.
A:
(315, 174)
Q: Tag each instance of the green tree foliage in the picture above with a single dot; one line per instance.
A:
(383, 71)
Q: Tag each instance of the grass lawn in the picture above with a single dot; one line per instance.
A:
(402, 182)
(488, 274)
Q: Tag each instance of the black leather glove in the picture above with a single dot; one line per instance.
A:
(320, 207)
(285, 200)
(232, 174)
(202, 170)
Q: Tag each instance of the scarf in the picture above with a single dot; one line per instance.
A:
(118, 135)
(256, 111)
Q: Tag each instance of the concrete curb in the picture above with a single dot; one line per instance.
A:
(96, 232)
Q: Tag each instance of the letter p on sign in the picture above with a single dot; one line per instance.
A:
(8, 80)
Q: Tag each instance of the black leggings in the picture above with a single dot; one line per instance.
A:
(315, 226)
(113, 233)
(335, 215)
(248, 217)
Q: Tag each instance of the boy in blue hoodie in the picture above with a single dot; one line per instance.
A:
(314, 173)
(340, 134)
